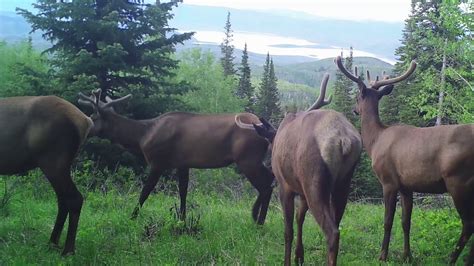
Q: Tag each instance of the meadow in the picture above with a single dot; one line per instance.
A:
(218, 230)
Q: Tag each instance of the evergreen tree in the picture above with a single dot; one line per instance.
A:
(268, 104)
(437, 36)
(344, 93)
(114, 45)
(227, 49)
(245, 90)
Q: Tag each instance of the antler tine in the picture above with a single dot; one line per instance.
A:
(320, 102)
(86, 100)
(389, 81)
(116, 101)
(341, 67)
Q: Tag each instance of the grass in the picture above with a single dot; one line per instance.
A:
(223, 232)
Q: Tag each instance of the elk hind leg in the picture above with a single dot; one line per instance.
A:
(299, 251)
(287, 199)
(318, 199)
(463, 198)
(69, 201)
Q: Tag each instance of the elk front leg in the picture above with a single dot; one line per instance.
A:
(150, 184)
(390, 200)
(183, 181)
(407, 207)
(261, 179)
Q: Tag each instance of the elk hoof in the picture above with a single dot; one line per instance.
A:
(407, 257)
(67, 253)
(383, 256)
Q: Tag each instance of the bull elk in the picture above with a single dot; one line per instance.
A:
(314, 154)
(409, 159)
(45, 132)
(179, 140)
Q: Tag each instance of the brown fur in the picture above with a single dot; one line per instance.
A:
(314, 154)
(179, 140)
(409, 159)
(45, 132)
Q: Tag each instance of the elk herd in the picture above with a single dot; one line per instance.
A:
(314, 155)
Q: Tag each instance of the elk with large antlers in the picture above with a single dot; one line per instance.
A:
(314, 155)
(409, 159)
(179, 140)
(45, 132)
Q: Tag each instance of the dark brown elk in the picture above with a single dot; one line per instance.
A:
(45, 132)
(409, 159)
(179, 140)
(314, 154)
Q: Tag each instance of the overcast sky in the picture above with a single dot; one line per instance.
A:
(381, 10)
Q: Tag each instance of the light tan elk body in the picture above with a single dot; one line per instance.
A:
(409, 159)
(314, 154)
(179, 140)
(45, 132)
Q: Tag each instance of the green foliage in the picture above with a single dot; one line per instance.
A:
(227, 49)
(214, 92)
(23, 71)
(113, 44)
(438, 34)
(245, 90)
(268, 104)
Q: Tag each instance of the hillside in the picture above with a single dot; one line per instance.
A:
(311, 73)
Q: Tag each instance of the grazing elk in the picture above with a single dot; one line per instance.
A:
(45, 132)
(314, 155)
(179, 140)
(409, 159)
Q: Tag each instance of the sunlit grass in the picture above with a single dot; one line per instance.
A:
(226, 233)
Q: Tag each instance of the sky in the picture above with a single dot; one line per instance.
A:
(379, 10)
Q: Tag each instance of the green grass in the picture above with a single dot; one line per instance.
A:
(225, 234)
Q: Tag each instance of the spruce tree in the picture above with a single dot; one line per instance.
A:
(108, 44)
(227, 49)
(344, 93)
(268, 104)
(246, 90)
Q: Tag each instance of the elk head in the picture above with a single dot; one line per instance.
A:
(377, 88)
(102, 110)
(267, 131)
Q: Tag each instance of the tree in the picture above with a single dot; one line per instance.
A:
(438, 35)
(115, 45)
(344, 94)
(227, 49)
(214, 92)
(245, 90)
(268, 104)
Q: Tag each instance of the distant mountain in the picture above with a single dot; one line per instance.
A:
(379, 38)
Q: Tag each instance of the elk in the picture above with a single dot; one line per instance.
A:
(179, 140)
(314, 154)
(45, 132)
(409, 159)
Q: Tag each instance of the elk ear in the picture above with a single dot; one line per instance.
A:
(385, 90)
(264, 132)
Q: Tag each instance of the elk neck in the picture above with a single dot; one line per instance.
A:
(127, 132)
(371, 126)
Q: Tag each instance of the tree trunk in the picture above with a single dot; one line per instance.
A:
(442, 85)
